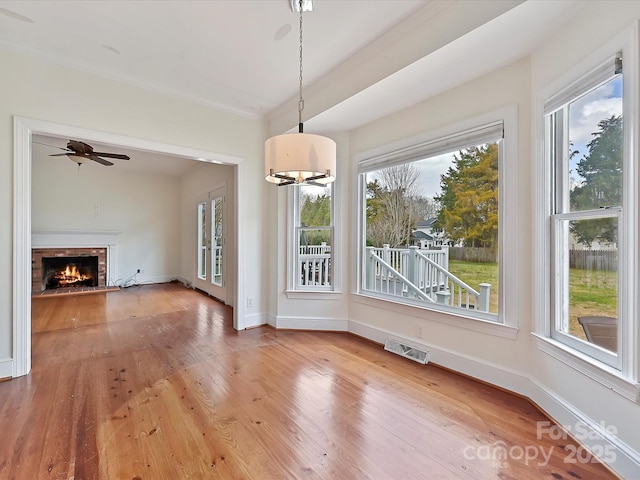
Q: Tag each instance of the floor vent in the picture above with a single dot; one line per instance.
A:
(407, 351)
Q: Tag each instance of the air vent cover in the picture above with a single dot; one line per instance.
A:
(407, 351)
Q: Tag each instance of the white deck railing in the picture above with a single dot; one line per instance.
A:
(314, 265)
(405, 272)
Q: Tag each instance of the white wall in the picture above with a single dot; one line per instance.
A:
(195, 184)
(316, 310)
(36, 89)
(142, 207)
(596, 25)
(506, 87)
(514, 363)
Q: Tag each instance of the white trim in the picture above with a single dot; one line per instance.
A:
(594, 436)
(311, 323)
(23, 129)
(509, 209)
(6, 368)
(150, 279)
(293, 247)
(603, 374)
(255, 320)
(624, 381)
(21, 247)
(487, 372)
(108, 240)
(599, 75)
(456, 140)
(456, 319)
(313, 295)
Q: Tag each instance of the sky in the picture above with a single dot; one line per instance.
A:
(584, 114)
(430, 171)
(587, 111)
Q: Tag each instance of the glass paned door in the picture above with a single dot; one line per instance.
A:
(217, 246)
(210, 275)
(202, 240)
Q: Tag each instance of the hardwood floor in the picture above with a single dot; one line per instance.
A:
(153, 383)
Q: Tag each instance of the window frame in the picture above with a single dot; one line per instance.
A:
(294, 289)
(506, 323)
(621, 373)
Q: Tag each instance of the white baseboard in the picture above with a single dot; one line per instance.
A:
(493, 374)
(598, 438)
(255, 320)
(141, 279)
(295, 323)
(311, 323)
(623, 459)
(6, 368)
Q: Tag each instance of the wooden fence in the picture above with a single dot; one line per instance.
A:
(472, 254)
(600, 260)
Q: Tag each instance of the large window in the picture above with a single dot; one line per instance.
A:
(585, 126)
(431, 216)
(312, 264)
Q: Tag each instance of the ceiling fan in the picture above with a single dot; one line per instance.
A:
(80, 152)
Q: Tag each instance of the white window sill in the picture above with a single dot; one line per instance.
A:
(449, 318)
(601, 373)
(313, 294)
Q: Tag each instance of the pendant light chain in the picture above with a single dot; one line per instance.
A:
(300, 100)
(300, 159)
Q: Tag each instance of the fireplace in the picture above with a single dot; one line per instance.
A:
(69, 246)
(69, 272)
(68, 268)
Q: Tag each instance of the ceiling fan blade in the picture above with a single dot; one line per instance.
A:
(60, 154)
(79, 147)
(53, 146)
(96, 158)
(113, 155)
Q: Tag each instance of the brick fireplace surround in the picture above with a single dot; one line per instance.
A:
(104, 245)
(36, 263)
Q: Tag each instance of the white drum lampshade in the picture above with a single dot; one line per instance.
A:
(300, 158)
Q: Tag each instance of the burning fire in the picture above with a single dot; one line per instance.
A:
(70, 275)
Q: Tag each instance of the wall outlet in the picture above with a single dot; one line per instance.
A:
(419, 331)
(249, 301)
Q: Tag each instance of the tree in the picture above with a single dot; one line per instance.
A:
(601, 171)
(315, 211)
(469, 197)
(391, 206)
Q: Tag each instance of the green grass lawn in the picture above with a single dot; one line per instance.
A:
(473, 274)
(590, 292)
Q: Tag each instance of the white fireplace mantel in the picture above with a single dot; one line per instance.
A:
(108, 240)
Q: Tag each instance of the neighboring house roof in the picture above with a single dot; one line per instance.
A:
(421, 235)
(426, 223)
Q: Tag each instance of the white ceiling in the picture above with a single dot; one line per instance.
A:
(242, 55)
(141, 160)
(226, 53)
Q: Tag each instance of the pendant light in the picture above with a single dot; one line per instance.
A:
(300, 158)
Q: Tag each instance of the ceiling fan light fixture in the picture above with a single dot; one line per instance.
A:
(79, 159)
(300, 158)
